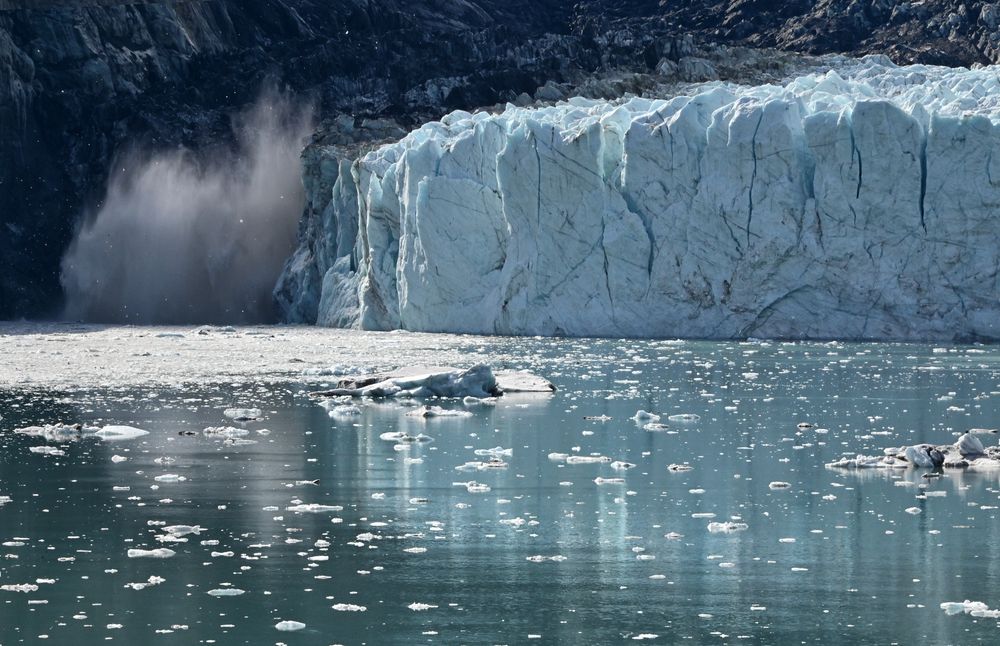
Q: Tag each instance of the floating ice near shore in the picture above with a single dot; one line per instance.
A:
(730, 211)
(477, 381)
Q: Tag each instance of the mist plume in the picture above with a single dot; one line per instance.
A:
(185, 238)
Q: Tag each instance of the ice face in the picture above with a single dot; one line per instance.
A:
(858, 203)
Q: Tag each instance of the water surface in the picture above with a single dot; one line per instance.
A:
(861, 569)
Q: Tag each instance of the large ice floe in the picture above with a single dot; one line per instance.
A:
(426, 381)
(860, 203)
(968, 452)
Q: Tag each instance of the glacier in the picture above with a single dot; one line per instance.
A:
(861, 202)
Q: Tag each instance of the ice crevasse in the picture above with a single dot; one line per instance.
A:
(859, 203)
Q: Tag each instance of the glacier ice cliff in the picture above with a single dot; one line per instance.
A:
(860, 203)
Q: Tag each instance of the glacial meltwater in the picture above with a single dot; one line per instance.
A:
(524, 521)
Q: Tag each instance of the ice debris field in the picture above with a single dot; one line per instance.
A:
(680, 488)
(855, 203)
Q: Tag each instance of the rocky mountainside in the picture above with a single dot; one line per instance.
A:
(83, 80)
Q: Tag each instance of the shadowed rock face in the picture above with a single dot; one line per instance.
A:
(82, 81)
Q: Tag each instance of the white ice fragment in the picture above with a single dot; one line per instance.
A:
(348, 607)
(779, 485)
(726, 527)
(684, 418)
(289, 626)
(419, 607)
(113, 433)
(436, 411)
(170, 478)
(313, 508)
(643, 416)
(47, 450)
(226, 592)
(151, 581)
(243, 414)
(158, 553)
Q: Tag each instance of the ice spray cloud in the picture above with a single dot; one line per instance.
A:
(181, 238)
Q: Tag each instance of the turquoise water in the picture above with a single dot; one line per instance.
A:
(861, 568)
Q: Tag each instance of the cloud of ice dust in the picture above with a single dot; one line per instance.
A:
(185, 239)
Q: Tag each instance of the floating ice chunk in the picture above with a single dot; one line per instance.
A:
(4, 500)
(158, 553)
(348, 607)
(684, 418)
(403, 437)
(289, 626)
(495, 452)
(118, 459)
(19, 587)
(604, 481)
(244, 414)
(56, 432)
(437, 411)
(925, 455)
(225, 432)
(777, 484)
(419, 607)
(677, 468)
(112, 433)
(170, 477)
(558, 457)
(477, 381)
(727, 527)
(969, 446)
(47, 450)
(183, 530)
(344, 410)
(914, 510)
(226, 592)
(151, 581)
(473, 487)
(523, 382)
(656, 426)
(313, 508)
(587, 459)
(618, 465)
(869, 462)
(967, 607)
(538, 558)
(643, 416)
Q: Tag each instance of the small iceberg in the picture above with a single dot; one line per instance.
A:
(244, 414)
(478, 382)
(114, 433)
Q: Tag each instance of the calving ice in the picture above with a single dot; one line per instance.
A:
(857, 203)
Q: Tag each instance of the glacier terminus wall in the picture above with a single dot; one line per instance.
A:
(860, 203)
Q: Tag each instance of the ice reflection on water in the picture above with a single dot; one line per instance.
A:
(860, 570)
